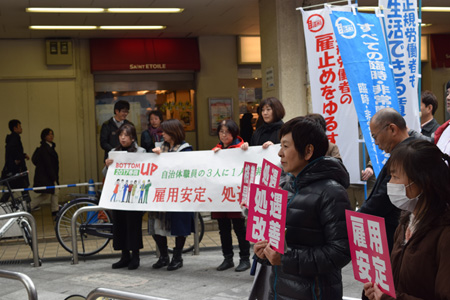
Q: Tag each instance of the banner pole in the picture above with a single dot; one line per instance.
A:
(329, 3)
(419, 88)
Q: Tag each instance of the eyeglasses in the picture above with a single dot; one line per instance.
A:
(374, 136)
(223, 132)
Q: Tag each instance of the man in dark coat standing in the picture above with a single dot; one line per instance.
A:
(388, 129)
(108, 136)
(15, 157)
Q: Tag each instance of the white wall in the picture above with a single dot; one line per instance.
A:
(217, 78)
(43, 96)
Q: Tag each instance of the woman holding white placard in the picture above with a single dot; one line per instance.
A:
(164, 224)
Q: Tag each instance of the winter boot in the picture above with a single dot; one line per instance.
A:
(227, 263)
(124, 260)
(244, 264)
(134, 262)
(177, 261)
(162, 262)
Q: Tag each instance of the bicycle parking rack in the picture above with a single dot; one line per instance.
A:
(96, 208)
(27, 282)
(34, 242)
(196, 237)
(115, 294)
(74, 229)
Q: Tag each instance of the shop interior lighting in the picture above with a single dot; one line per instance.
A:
(57, 27)
(70, 10)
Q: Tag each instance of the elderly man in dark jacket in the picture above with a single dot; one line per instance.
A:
(388, 130)
(316, 235)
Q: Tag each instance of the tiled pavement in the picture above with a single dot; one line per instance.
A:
(57, 278)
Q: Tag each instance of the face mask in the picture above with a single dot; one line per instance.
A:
(397, 195)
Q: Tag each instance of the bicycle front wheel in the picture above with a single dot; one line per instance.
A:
(93, 228)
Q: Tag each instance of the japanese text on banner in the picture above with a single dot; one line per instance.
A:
(330, 90)
(267, 216)
(366, 61)
(369, 250)
(180, 181)
(248, 177)
(402, 30)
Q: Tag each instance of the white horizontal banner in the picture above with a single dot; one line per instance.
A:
(180, 181)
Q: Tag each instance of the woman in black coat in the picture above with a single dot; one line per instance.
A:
(272, 112)
(316, 234)
(46, 161)
(127, 226)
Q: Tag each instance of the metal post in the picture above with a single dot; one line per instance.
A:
(34, 242)
(74, 229)
(115, 294)
(27, 282)
(196, 237)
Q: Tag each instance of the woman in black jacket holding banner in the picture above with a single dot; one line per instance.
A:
(127, 225)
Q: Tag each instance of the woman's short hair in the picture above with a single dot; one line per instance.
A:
(157, 113)
(319, 119)
(306, 131)
(233, 128)
(45, 132)
(277, 108)
(174, 129)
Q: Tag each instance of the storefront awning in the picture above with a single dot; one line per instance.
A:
(144, 54)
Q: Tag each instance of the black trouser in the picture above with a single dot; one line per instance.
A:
(227, 240)
(161, 242)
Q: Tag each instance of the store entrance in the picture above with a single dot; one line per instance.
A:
(172, 94)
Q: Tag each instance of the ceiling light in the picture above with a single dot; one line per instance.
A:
(426, 8)
(145, 10)
(64, 10)
(436, 9)
(154, 27)
(366, 8)
(102, 10)
(45, 27)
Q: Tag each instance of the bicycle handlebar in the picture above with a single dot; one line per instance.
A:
(14, 177)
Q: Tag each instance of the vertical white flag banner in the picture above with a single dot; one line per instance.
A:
(330, 92)
(402, 31)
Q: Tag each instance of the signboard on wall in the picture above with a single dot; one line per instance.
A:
(144, 54)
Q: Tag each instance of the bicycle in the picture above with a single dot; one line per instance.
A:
(11, 204)
(94, 228)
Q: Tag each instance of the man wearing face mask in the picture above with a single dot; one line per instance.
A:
(388, 129)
